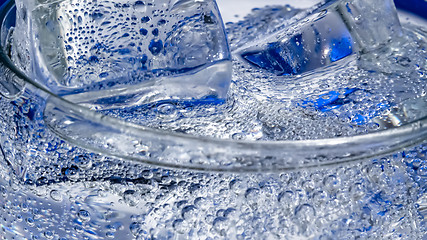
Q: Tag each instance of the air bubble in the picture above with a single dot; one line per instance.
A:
(238, 186)
(189, 212)
(305, 212)
(3, 191)
(145, 19)
(109, 235)
(48, 234)
(83, 161)
(84, 215)
(103, 74)
(30, 221)
(422, 171)
(155, 47)
(131, 197)
(135, 228)
(56, 195)
(220, 225)
(166, 109)
(202, 203)
(238, 136)
(143, 31)
(180, 226)
(287, 197)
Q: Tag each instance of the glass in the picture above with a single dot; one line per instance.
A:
(71, 172)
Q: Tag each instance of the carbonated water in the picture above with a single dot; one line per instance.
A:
(51, 189)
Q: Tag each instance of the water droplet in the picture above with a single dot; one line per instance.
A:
(220, 225)
(305, 212)
(331, 182)
(83, 161)
(147, 173)
(180, 226)
(78, 229)
(252, 193)
(145, 19)
(202, 203)
(229, 213)
(71, 172)
(84, 215)
(30, 221)
(140, 5)
(56, 195)
(422, 171)
(319, 197)
(189, 212)
(166, 109)
(93, 59)
(238, 186)
(403, 61)
(131, 197)
(143, 31)
(48, 234)
(161, 22)
(3, 191)
(103, 75)
(135, 228)
(97, 14)
(237, 136)
(109, 234)
(286, 197)
(155, 47)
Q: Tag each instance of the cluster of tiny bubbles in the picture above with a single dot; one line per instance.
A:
(266, 20)
(57, 191)
(416, 161)
(372, 200)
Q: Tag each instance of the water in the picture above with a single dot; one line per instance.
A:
(52, 189)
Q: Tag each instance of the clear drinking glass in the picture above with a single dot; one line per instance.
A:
(334, 148)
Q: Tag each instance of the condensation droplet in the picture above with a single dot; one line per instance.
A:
(131, 197)
(56, 195)
(84, 215)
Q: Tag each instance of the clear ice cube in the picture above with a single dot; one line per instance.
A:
(324, 35)
(108, 54)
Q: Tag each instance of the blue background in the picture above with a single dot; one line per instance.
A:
(418, 7)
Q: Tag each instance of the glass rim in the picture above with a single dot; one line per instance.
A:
(286, 154)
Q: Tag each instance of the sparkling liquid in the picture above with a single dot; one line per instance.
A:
(50, 189)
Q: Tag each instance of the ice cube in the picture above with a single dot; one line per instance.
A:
(113, 53)
(324, 35)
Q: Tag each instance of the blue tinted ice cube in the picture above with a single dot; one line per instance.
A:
(325, 35)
